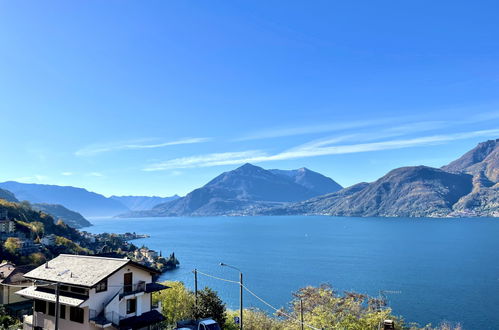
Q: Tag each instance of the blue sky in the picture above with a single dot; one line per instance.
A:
(158, 97)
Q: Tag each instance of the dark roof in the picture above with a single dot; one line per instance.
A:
(136, 322)
(17, 275)
(154, 287)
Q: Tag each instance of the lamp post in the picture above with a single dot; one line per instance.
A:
(240, 292)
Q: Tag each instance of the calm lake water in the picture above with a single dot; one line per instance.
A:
(432, 269)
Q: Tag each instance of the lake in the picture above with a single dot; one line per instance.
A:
(431, 269)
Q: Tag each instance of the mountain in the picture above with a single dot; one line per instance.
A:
(140, 203)
(467, 186)
(417, 191)
(78, 199)
(315, 182)
(71, 218)
(8, 196)
(483, 163)
(243, 190)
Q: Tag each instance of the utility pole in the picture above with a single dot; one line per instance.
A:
(57, 307)
(240, 292)
(241, 297)
(301, 313)
(196, 290)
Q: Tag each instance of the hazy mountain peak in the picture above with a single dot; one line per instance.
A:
(474, 156)
(248, 187)
(482, 160)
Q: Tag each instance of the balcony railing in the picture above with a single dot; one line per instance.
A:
(156, 305)
(105, 317)
(130, 289)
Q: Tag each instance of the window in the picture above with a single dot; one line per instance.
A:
(51, 309)
(62, 312)
(78, 290)
(64, 288)
(101, 286)
(131, 305)
(40, 306)
(76, 314)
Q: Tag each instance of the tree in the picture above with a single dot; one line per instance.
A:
(12, 245)
(210, 305)
(323, 307)
(6, 321)
(61, 223)
(177, 302)
(36, 258)
(37, 227)
(254, 319)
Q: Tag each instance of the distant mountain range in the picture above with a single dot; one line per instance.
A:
(468, 186)
(140, 203)
(77, 199)
(244, 190)
(70, 203)
(74, 219)
(71, 218)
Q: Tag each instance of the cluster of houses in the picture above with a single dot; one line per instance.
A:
(144, 255)
(8, 229)
(79, 292)
(84, 292)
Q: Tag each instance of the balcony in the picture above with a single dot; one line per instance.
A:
(156, 306)
(105, 319)
(133, 289)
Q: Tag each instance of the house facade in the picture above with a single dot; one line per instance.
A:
(7, 226)
(12, 280)
(94, 293)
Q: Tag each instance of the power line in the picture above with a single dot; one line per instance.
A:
(218, 278)
(277, 310)
(260, 299)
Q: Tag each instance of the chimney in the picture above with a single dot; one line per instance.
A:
(46, 264)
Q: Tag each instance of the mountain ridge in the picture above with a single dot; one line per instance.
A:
(467, 186)
(77, 199)
(241, 191)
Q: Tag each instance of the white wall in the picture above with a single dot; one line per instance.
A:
(97, 301)
(8, 296)
(48, 322)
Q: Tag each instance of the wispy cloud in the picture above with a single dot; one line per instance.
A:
(96, 174)
(206, 160)
(96, 149)
(67, 173)
(313, 149)
(313, 129)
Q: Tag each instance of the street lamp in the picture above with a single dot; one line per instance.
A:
(240, 292)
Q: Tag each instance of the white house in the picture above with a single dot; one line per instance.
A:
(94, 293)
(7, 226)
(48, 240)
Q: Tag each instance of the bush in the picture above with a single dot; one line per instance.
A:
(177, 302)
(210, 305)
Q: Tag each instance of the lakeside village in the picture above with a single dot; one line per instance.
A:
(31, 240)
